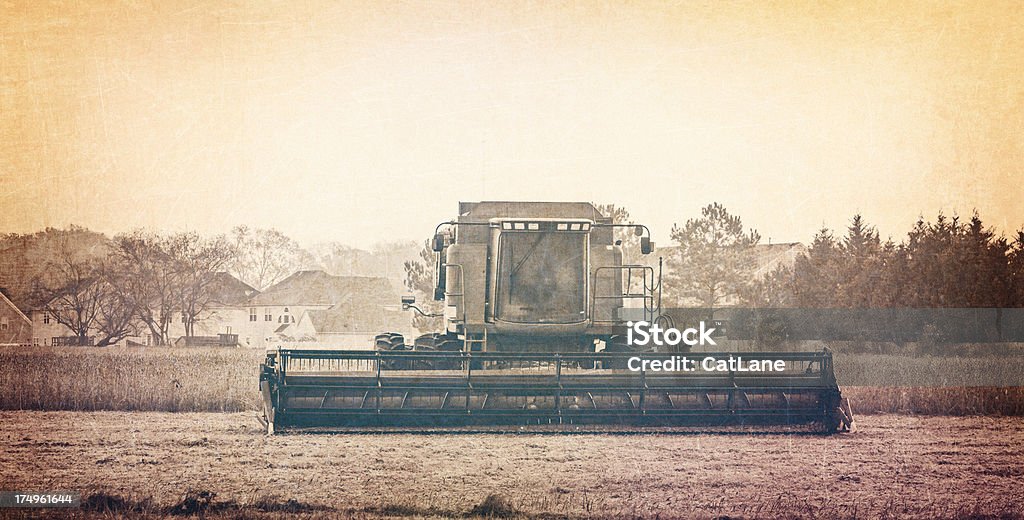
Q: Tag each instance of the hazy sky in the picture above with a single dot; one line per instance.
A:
(366, 122)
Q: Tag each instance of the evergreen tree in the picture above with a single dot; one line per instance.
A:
(715, 260)
(1016, 271)
(816, 273)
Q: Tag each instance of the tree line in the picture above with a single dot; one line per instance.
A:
(140, 283)
(104, 290)
(944, 263)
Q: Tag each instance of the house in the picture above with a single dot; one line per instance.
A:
(47, 331)
(224, 317)
(352, 325)
(15, 326)
(313, 306)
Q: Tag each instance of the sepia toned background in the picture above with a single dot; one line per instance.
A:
(359, 122)
(290, 158)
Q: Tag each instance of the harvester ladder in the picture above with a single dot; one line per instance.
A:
(469, 340)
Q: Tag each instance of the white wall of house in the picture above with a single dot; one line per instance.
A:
(259, 323)
(45, 328)
(212, 322)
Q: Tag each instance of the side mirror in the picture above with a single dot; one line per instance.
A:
(638, 230)
(646, 246)
(438, 243)
(408, 300)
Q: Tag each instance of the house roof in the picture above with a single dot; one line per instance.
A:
(33, 302)
(228, 290)
(4, 300)
(320, 288)
(352, 317)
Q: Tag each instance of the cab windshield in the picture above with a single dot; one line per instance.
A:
(541, 277)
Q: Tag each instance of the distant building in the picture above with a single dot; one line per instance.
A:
(316, 307)
(15, 326)
(770, 257)
(46, 331)
(225, 316)
(352, 325)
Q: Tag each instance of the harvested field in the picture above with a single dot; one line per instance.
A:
(221, 465)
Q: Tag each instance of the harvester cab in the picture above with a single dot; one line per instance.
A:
(535, 298)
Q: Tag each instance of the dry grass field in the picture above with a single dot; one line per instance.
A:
(220, 465)
(176, 379)
(170, 379)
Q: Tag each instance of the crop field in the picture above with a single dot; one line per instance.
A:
(221, 465)
(171, 379)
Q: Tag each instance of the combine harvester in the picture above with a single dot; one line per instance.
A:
(535, 295)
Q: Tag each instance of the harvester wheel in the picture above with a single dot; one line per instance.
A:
(390, 342)
(398, 341)
(617, 344)
(382, 341)
(438, 343)
(429, 341)
(447, 344)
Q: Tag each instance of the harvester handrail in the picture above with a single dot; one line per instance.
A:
(647, 295)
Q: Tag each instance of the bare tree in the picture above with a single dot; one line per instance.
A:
(152, 280)
(116, 319)
(74, 301)
(419, 278)
(199, 263)
(264, 257)
(629, 240)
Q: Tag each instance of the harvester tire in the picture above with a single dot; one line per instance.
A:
(391, 342)
(618, 344)
(426, 341)
(382, 341)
